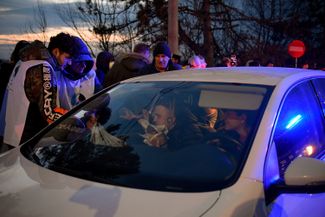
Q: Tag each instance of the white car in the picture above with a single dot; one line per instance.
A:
(241, 141)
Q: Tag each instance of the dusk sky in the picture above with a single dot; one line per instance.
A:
(17, 15)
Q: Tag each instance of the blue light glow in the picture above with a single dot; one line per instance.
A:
(294, 121)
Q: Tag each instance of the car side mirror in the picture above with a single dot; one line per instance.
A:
(303, 175)
(304, 171)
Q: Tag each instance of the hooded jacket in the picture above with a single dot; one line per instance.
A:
(73, 86)
(126, 66)
(33, 86)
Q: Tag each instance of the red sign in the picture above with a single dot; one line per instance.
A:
(296, 48)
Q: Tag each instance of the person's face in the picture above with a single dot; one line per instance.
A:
(233, 121)
(91, 121)
(78, 66)
(163, 116)
(62, 58)
(196, 63)
(174, 60)
(161, 62)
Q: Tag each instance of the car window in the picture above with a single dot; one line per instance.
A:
(320, 90)
(300, 127)
(169, 136)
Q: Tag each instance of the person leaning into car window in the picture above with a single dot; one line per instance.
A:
(31, 102)
(78, 81)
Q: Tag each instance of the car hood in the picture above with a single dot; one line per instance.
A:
(27, 189)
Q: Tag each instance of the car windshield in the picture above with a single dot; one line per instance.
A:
(167, 136)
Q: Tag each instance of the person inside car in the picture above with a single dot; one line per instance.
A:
(167, 125)
(235, 121)
(156, 123)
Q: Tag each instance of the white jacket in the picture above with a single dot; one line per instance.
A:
(15, 105)
(70, 92)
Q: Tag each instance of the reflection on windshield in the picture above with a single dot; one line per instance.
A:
(169, 136)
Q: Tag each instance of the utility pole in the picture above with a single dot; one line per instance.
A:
(173, 25)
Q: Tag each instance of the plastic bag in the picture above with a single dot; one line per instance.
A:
(100, 136)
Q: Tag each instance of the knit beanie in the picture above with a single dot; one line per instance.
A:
(162, 48)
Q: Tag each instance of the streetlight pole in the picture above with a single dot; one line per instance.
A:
(173, 25)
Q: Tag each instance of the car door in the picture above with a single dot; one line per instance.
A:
(299, 132)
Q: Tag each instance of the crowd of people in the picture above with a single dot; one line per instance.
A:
(41, 83)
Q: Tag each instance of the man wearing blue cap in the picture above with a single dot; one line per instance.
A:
(78, 80)
(162, 60)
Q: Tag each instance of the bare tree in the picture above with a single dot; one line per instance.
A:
(39, 25)
(265, 29)
(202, 24)
(109, 22)
(212, 28)
(205, 26)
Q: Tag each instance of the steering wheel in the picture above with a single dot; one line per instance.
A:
(228, 144)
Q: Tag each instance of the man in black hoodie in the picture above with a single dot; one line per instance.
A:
(78, 81)
(128, 65)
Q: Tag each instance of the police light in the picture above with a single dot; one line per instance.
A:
(294, 121)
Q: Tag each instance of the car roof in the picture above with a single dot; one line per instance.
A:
(248, 75)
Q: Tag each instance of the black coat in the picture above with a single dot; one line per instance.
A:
(127, 66)
(151, 69)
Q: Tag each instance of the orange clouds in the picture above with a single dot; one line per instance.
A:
(14, 38)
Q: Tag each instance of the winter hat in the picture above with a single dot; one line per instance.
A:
(162, 48)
